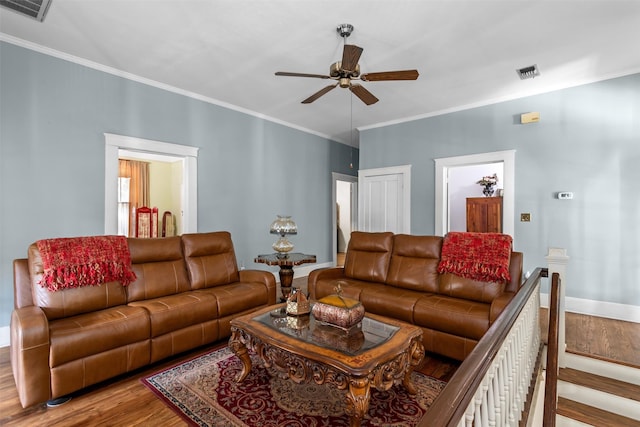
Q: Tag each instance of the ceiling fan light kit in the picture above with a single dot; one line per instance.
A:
(348, 69)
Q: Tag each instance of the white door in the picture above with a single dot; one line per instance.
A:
(384, 199)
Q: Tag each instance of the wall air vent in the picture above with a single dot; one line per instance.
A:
(528, 72)
(36, 9)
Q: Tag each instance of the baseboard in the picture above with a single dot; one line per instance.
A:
(610, 310)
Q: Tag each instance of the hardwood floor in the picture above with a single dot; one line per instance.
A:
(601, 338)
(126, 401)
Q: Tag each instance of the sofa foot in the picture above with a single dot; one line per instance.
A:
(57, 402)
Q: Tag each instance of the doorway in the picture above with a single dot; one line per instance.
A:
(165, 192)
(463, 184)
(442, 197)
(345, 214)
(187, 154)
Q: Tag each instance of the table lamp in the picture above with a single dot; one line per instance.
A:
(283, 225)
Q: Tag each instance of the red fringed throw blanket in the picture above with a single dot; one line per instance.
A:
(81, 261)
(478, 256)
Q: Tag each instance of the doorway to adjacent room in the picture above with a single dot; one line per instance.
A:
(442, 201)
(115, 144)
(345, 214)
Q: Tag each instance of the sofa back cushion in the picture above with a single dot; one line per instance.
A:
(515, 271)
(159, 267)
(211, 259)
(486, 292)
(414, 262)
(368, 256)
(73, 301)
(469, 289)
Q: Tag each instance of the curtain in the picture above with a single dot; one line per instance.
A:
(138, 172)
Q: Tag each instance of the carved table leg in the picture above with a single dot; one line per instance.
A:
(358, 400)
(286, 281)
(240, 349)
(416, 352)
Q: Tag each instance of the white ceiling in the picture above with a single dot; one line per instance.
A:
(226, 51)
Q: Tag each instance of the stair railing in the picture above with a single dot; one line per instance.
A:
(551, 372)
(493, 384)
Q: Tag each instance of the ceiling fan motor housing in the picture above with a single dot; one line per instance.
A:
(336, 71)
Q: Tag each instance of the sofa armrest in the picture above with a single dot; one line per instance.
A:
(30, 355)
(21, 283)
(261, 276)
(498, 305)
(328, 273)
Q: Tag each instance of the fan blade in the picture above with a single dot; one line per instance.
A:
(288, 74)
(318, 94)
(350, 57)
(390, 75)
(362, 93)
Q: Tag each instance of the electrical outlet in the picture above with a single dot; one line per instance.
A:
(525, 217)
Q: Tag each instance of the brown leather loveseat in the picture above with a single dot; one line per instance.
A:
(397, 276)
(186, 292)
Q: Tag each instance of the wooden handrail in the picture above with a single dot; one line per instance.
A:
(551, 381)
(451, 403)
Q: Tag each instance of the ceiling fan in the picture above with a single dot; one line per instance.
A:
(348, 69)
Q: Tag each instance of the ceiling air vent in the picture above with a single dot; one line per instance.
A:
(36, 9)
(528, 72)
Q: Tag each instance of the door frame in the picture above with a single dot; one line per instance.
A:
(507, 157)
(189, 155)
(335, 177)
(405, 172)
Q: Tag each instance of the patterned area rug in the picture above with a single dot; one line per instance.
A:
(204, 392)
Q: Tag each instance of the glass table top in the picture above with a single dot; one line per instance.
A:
(369, 334)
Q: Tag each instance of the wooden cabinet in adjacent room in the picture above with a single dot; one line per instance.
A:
(484, 214)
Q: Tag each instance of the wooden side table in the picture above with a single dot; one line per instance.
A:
(286, 264)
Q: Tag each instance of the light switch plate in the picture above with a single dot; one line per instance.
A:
(525, 217)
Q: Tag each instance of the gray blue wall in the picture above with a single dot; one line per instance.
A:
(53, 115)
(587, 142)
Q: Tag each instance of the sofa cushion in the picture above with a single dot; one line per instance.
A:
(159, 267)
(210, 258)
(414, 262)
(238, 297)
(87, 334)
(73, 301)
(174, 312)
(368, 256)
(392, 302)
(469, 319)
(469, 289)
(351, 288)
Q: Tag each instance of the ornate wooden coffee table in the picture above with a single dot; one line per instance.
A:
(379, 354)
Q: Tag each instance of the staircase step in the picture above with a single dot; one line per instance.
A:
(591, 415)
(597, 382)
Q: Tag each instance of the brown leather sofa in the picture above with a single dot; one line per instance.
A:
(187, 290)
(396, 276)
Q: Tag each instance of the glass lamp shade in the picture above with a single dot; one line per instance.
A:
(283, 225)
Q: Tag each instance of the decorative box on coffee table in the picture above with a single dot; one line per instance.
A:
(336, 310)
